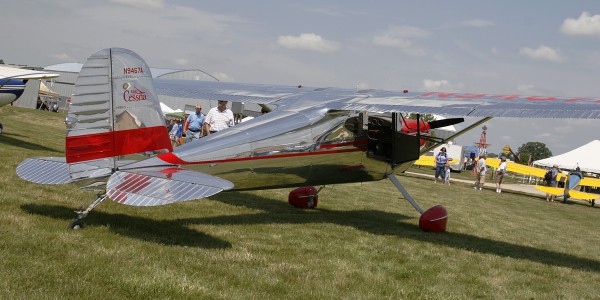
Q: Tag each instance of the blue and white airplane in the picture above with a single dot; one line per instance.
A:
(12, 83)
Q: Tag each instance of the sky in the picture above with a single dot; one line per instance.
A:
(547, 48)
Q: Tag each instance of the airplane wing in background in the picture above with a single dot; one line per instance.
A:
(428, 161)
(12, 82)
(24, 74)
(514, 167)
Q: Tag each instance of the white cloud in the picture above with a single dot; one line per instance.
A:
(477, 23)
(401, 37)
(543, 53)
(585, 25)
(441, 85)
(307, 41)
(149, 4)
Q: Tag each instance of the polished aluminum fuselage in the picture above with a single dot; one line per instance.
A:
(287, 148)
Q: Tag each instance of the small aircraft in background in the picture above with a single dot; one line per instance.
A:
(13, 80)
(428, 161)
(573, 182)
(313, 136)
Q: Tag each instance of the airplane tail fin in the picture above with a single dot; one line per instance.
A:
(114, 113)
(114, 110)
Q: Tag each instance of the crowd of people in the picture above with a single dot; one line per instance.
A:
(480, 169)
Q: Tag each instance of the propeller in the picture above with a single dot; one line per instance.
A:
(445, 122)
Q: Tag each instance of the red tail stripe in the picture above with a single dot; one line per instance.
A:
(116, 143)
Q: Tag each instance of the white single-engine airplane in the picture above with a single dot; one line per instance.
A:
(314, 136)
(12, 83)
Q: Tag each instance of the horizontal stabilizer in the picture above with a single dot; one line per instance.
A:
(45, 170)
(161, 186)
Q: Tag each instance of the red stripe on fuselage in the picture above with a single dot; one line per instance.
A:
(116, 143)
(174, 159)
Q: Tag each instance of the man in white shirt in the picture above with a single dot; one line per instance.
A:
(500, 174)
(480, 170)
(218, 118)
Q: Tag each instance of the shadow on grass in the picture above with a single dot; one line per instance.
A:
(8, 140)
(168, 232)
(384, 223)
(174, 232)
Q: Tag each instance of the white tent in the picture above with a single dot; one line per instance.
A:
(167, 110)
(585, 156)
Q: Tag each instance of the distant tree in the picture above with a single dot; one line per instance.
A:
(493, 155)
(424, 117)
(535, 149)
(1, 61)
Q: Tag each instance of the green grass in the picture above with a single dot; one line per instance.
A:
(362, 242)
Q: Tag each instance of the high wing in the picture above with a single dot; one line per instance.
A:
(451, 104)
(24, 74)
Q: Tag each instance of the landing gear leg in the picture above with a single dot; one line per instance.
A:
(433, 219)
(77, 223)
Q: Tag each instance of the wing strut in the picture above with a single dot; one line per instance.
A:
(402, 190)
(427, 149)
(433, 219)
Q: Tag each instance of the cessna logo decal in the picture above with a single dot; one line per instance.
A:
(133, 94)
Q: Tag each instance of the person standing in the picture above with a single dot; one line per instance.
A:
(194, 125)
(447, 174)
(440, 163)
(218, 118)
(480, 170)
(552, 182)
(175, 133)
(500, 174)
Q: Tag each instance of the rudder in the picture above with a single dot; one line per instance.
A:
(114, 110)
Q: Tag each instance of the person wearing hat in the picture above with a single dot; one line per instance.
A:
(194, 125)
(553, 183)
(500, 174)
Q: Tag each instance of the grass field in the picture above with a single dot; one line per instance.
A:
(362, 242)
